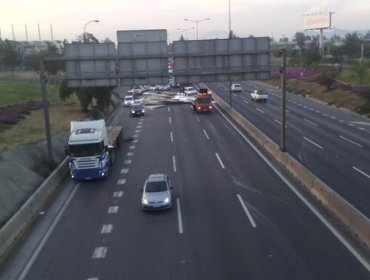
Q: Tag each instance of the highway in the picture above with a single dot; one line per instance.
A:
(234, 216)
(333, 144)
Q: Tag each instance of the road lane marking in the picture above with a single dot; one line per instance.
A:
(360, 171)
(174, 163)
(353, 142)
(139, 126)
(113, 210)
(292, 187)
(100, 252)
(118, 194)
(127, 161)
(137, 131)
(313, 143)
(259, 110)
(132, 147)
(279, 122)
(198, 119)
(168, 108)
(205, 133)
(106, 229)
(121, 181)
(245, 101)
(169, 120)
(333, 118)
(124, 171)
(171, 136)
(220, 161)
(179, 216)
(308, 121)
(246, 211)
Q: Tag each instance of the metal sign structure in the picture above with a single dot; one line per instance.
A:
(222, 60)
(90, 65)
(142, 57)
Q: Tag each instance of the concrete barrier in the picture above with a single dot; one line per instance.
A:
(352, 218)
(24, 217)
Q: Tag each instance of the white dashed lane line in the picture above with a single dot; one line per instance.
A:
(174, 163)
(100, 252)
(313, 143)
(312, 123)
(171, 136)
(106, 229)
(251, 220)
(361, 172)
(113, 210)
(259, 110)
(205, 133)
(220, 161)
(350, 141)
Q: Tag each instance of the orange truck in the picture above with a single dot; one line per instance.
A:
(202, 102)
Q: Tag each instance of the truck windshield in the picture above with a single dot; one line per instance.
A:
(84, 150)
(206, 100)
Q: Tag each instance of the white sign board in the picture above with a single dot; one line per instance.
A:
(317, 21)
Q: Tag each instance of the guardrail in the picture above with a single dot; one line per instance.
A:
(23, 218)
(351, 217)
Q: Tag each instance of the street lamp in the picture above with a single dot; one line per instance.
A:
(83, 33)
(196, 22)
(185, 30)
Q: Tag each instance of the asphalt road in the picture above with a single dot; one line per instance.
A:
(233, 217)
(334, 144)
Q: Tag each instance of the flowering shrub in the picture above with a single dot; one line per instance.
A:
(13, 113)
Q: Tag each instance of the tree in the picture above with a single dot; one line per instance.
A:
(360, 70)
(182, 38)
(9, 55)
(352, 45)
(87, 38)
(232, 35)
(300, 38)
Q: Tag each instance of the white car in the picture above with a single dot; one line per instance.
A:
(138, 89)
(156, 192)
(128, 100)
(190, 91)
(259, 96)
(236, 88)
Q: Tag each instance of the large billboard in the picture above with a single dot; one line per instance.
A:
(317, 21)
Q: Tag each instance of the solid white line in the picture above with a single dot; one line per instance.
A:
(259, 110)
(169, 120)
(353, 142)
(313, 143)
(301, 197)
(171, 136)
(220, 161)
(246, 211)
(174, 163)
(315, 124)
(47, 235)
(362, 172)
(179, 217)
(205, 133)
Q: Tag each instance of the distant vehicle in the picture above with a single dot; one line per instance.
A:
(137, 109)
(138, 89)
(153, 87)
(156, 192)
(190, 91)
(203, 101)
(236, 88)
(259, 96)
(128, 100)
(164, 87)
(91, 149)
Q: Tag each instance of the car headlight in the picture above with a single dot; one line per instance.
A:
(145, 201)
(167, 200)
(132, 112)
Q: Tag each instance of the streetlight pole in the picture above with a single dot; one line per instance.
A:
(83, 32)
(196, 22)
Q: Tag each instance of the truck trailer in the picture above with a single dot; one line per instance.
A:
(91, 149)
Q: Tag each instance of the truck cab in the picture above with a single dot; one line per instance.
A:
(203, 101)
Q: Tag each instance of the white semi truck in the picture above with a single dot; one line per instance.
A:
(91, 149)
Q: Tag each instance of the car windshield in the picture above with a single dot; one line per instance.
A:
(84, 150)
(159, 186)
(128, 98)
(137, 107)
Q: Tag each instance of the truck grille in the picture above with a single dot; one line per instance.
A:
(86, 163)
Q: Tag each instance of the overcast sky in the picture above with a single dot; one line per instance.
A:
(273, 18)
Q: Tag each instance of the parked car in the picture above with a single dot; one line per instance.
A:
(190, 91)
(236, 88)
(156, 192)
(137, 109)
(128, 100)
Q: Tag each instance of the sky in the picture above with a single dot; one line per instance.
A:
(273, 18)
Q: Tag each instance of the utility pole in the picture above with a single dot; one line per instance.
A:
(283, 99)
(43, 80)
